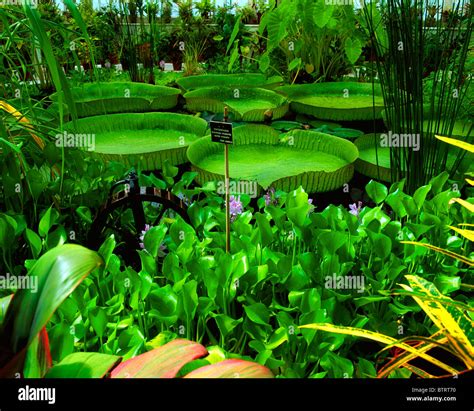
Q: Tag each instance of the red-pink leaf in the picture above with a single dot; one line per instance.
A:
(162, 362)
(231, 369)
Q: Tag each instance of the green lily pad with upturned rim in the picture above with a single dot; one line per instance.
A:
(247, 104)
(143, 140)
(121, 97)
(316, 161)
(374, 160)
(244, 80)
(335, 101)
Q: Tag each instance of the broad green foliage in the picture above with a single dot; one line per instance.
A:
(244, 80)
(314, 36)
(56, 274)
(300, 280)
(286, 261)
(327, 161)
(141, 140)
(247, 104)
(335, 101)
(93, 99)
(374, 158)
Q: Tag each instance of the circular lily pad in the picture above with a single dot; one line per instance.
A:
(335, 101)
(374, 160)
(244, 80)
(141, 139)
(319, 162)
(436, 124)
(121, 97)
(461, 128)
(247, 104)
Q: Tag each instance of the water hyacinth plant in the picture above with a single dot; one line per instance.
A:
(345, 250)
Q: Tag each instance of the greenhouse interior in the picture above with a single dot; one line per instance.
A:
(254, 189)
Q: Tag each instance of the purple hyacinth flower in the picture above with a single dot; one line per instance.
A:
(142, 236)
(355, 208)
(235, 207)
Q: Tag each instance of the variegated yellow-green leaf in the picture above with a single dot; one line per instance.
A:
(452, 320)
(464, 203)
(469, 234)
(22, 119)
(405, 357)
(457, 143)
(374, 336)
(442, 299)
(471, 182)
(418, 371)
(459, 257)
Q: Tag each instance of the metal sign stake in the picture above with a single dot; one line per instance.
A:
(221, 132)
(227, 189)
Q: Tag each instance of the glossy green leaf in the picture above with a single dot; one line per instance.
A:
(4, 303)
(7, 231)
(34, 241)
(265, 230)
(376, 191)
(84, 365)
(154, 238)
(164, 300)
(225, 323)
(420, 195)
(258, 313)
(98, 319)
(47, 221)
(59, 272)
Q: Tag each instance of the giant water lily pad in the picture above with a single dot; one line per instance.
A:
(245, 80)
(144, 140)
(246, 104)
(319, 162)
(121, 97)
(335, 101)
(460, 129)
(434, 123)
(374, 159)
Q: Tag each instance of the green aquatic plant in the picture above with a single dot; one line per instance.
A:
(335, 101)
(229, 80)
(246, 104)
(142, 140)
(316, 161)
(93, 99)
